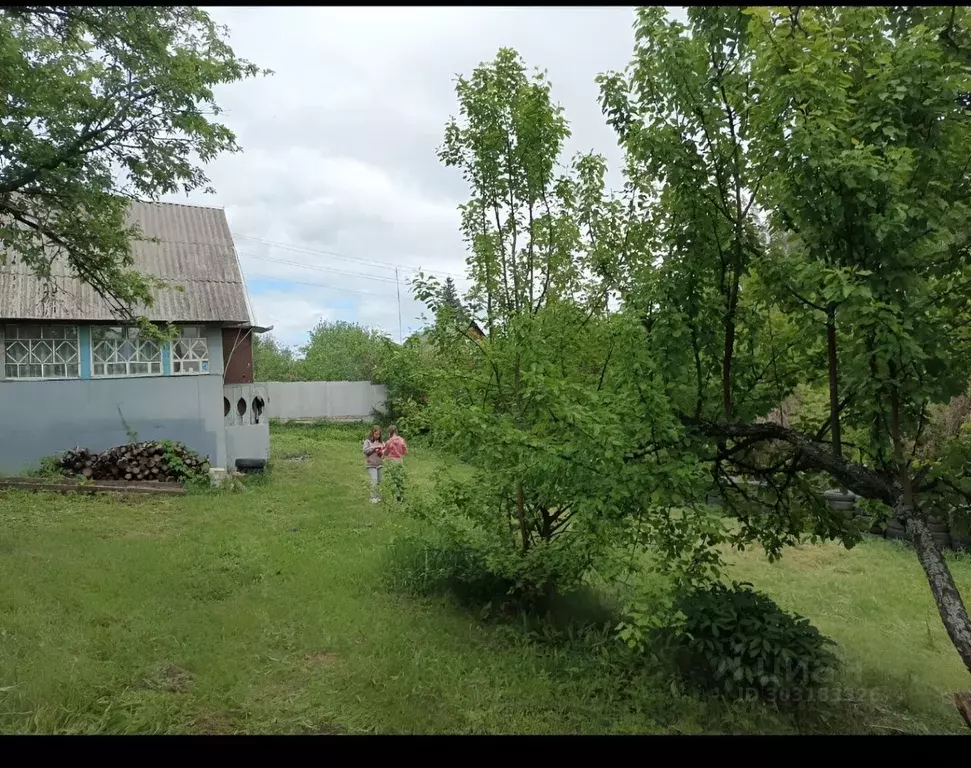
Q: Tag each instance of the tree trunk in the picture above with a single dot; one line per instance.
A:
(727, 400)
(945, 592)
(520, 501)
(521, 512)
(834, 397)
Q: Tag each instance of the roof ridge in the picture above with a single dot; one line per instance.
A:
(182, 205)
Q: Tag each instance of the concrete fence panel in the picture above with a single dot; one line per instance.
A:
(325, 400)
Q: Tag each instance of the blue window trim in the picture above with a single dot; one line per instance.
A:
(167, 358)
(84, 348)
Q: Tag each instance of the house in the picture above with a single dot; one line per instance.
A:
(72, 375)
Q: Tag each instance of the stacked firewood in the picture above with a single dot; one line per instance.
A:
(141, 462)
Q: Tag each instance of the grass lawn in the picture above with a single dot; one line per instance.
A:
(266, 611)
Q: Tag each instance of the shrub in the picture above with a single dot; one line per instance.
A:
(738, 642)
(474, 557)
(429, 564)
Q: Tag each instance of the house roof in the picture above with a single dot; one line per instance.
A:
(195, 250)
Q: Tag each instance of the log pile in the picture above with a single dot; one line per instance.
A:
(137, 462)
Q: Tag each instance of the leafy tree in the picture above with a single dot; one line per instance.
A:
(273, 361)
(536, 404)
(104, 105)
(793, 225)
(805, 173)
(342, 351)
(866, 164)
(406, 370)
(450, 299)
(338, 351)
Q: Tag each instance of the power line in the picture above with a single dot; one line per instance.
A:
(317, 268)
(344, 290)
(329, 287)
(334, 254)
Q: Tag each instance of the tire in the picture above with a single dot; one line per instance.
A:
(842, 506)
(942, 540)
(251, 464)
(896, 530)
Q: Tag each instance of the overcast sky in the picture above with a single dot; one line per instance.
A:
(339, 168)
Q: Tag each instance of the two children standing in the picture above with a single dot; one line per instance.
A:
(376, 451)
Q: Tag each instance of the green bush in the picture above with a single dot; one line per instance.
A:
(430, 564)
(461, 560)
(460, 519)
(738, 642)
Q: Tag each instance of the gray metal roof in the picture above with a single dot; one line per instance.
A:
(194, 250)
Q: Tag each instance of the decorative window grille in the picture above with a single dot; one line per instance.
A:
(190, 351)
(41, 352)
(123, 352)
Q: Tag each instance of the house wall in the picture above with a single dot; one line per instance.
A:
(247, 423)
(41, 418)
(338, 400)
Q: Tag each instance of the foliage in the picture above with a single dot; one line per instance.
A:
(537, 402)
(738, 642)
(338, 351)
(794, 221)
(342, 351)
(104, 105)
(864, 163)
(406, 369)
(173, 457)
(451, 302)
(800, 185)
(48, 467)
(394, 475)
(273, 361)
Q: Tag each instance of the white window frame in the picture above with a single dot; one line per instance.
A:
(205, 364)
(7, 339)
(127, 363)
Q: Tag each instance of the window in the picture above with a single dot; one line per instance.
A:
(41, 352)
(123, 352)
(190, 351)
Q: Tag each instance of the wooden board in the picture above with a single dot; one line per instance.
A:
(68, 485)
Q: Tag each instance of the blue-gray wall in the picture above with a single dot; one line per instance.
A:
(41, 418)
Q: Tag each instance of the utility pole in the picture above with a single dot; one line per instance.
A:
(397, 288)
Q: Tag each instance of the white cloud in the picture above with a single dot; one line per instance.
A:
(291, 316)
(339, 146)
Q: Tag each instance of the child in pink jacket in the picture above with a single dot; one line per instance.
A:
(394, 450)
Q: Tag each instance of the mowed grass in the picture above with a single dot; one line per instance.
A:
(267, 611)
(875, 602)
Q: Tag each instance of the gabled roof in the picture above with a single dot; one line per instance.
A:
(194, 250)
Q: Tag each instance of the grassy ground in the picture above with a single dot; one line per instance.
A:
(266, 611)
